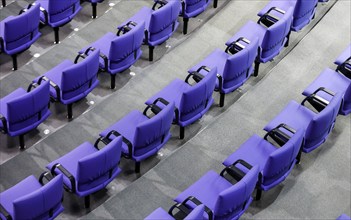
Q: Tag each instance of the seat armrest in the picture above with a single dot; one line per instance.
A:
(183, 8)
(4, 124)
(126, 28)
(267, 19)
(54, 85)
(317, 102)
(125, 140)
(22, 11)
(180, 207)
(67, 174)
(104, 57)
(345, 68)
(197, 77)
(237, 46)
(154, 109)
(197, 203)
(47, 175)
(162, 100)
(161, 3)
(235, 172)
(2, 44)
(5, 213)
(105, 140)
(46, 15)
(278, 135)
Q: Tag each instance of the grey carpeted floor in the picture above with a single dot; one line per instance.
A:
(318, 188)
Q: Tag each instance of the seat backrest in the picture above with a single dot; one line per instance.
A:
(303, 10)
(124, 48)
(194, 5)
(321, 125)
(232, 200)
(38, 204)
(196, 213)
(238, 66)
(150, 134)
(89, 175)
(59, 10)
(280, 161)
(276, 34)
(78, 78)
(20, 30)
(27, 109)
(195, 99)
(163, 21)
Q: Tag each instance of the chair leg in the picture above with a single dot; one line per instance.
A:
(14, 61)
(3, 3)
(185, 26)
(93, 5)
(287, 39)
(221, 99)
(87, 201)
(258, 194)
(298, 157)
(151, 53)
(69, 111)
(21, 142)
(113, 81)
(257, 67)
(215, 3)
(57, 38)
(181, 132)
(137, 166)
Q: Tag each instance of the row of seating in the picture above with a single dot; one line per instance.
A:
(263, 163)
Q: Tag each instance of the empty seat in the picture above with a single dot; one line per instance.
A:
(275, 155)
(22, 111)
(160, 22)
(273, 30)
(18, 33)
(88, 169)
(234, 66)
(225, 199)
(192, 8)
(336, 83)
(179, 210)
(344, 62)
(71, 82)
(119, 51)
(57, 13)
(317, 121)
(93, 6)
(33, 199)
(343, 217)
(144, 134)
(192, 99)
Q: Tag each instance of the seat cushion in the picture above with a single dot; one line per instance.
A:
(159, 214)
(206, 189)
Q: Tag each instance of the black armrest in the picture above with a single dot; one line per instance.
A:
(159, 2)
(32, 85)
(22, 11)
(278, 135)
(104, 140)
(67, 174)
(183, 8)
(5, 213)
(235, 172)
(104, 57)
(316, 101)
(220, 82)
(125, 140)
(176, 112)
(154, 108)
(345, 68)
(86, 52)
(46, 16)
(182, 208)
(236, 46)
(146, 36)
(162, 100)
(2, 44)
(4, 124)
(126, 28)
(197, 202)
(197, 77)
(47, 175)
(54, 85)
(268, 19)
(80, 55)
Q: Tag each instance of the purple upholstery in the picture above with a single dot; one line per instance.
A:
(25, 111)
(317, 126)
(160, 214)
(344, 217)
(275, 163)
(346, 54)
(335, 82)
(82, 163)
(227, 201)
(192, 8)
(146, 135)
(344, 62)
(29, 199)
(18, 33)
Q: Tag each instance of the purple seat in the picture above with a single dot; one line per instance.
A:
(32, 199)
(234, 66)
(335, 82)
(143, 135)
(192, 101)
(119, 51)
(196, 214)
(71, 82)
(225, 199)
(93, 6)
(317, 124)
(88, 169)
(344, 217)
(57, 13)
(22, 111)
(18, 33)
(160, 22)
(344, 62)
(275, 155)
(192, 8)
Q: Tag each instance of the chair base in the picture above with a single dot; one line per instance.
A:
(70, 111)
(215, 3)
(87, 201)
(287, 40)
(3, 3)
(57, 37)
(22, 145)
(221, 99)
(93, 5)
(113, 81)
(181, 132)
(258, 194)
(151, 53)
(185, 26)
(137, 166)
(14, 61)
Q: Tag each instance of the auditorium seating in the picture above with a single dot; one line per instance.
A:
(344, 62)
(160, 22)
(119, 51)
(234, 66)
(192, 8)
(225, 199)
(93, 6)
(192, 97)
(144, 134)
(58, 13)
(275, 155)
(22, 111)
(71, 82)
(88, 169)
(336, 83)
(18, 33)
(181, 211)
(33, 199)
(317, 122)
